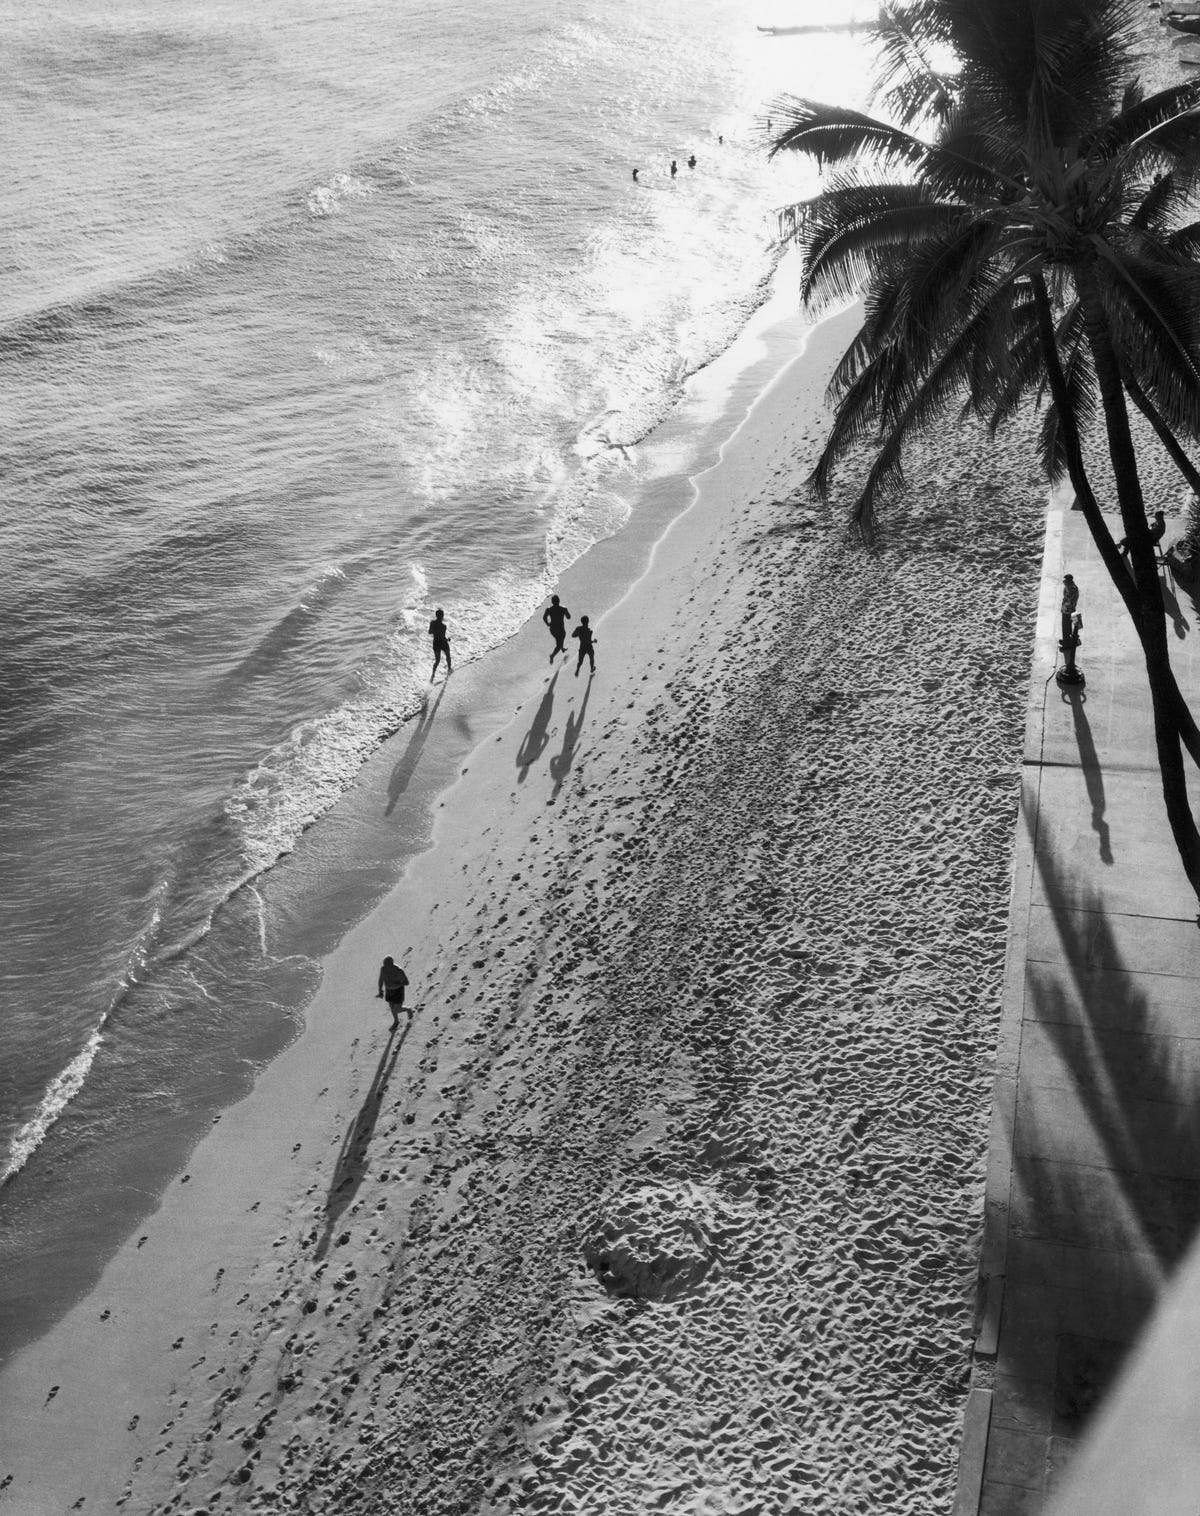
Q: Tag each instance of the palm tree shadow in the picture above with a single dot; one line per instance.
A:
(1093, 775)
(407, 766)
(1105, 1195)
(560, 764)
(351, 1166)
(537, 738)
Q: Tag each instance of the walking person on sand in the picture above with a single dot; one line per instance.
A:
(586, 645)
(441, 642)
(556, 617)
(392, 983)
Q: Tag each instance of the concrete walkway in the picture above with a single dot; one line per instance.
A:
(1090, 1277)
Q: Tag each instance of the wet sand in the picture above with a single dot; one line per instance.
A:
(670, 1197)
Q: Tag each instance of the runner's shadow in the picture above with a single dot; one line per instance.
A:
(407, 766)
(537, 738)
(1089, 762)
(560, 764)
(351, 1166)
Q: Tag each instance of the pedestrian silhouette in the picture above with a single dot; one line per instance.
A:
(586, 646)
(392, 983)
(692, 161)
(1157, 532)
(1070, 603)
(635, 173)
(674, 168)
(556, 617)
(441, 642)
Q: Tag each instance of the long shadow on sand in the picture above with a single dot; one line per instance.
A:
(351, 1166)
(1105, 1192)
(537, 738)
(407, 766)
(560, 764)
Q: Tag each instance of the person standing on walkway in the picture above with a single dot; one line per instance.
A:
(586, 645)
(1070, 601)
(441, 642)
(392, 983)
(556, 617)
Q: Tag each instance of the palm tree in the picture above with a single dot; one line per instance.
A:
(1022, 228)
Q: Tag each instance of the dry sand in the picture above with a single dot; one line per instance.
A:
(670, 1198)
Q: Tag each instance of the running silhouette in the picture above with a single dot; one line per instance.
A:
(586, 645)
(556, 617)
(441, 642)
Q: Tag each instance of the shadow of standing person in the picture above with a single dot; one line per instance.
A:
(537, 738)
(1089, 762)
(1172, 606)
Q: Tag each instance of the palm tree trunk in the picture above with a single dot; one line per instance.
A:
(1151, 623)
(1165, 435)
(1069, 428)
(1188, 730)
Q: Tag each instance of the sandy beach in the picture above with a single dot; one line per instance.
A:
(670, 1196)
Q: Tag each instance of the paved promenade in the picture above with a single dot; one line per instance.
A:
(1086, 1385)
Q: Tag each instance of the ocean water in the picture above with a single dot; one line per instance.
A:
(311, 318)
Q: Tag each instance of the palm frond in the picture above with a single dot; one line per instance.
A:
(1164, 127)
(837, 134)
(907, 82)
(1185, 240)
(852, 227)
(1152, 315)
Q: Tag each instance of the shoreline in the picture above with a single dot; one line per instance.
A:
(355, 854)
(706, 956)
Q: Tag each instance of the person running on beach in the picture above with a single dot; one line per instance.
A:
(556, 617)
(441, 643)
(392, 983)
(584, 632)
